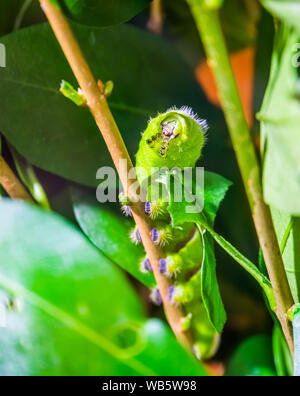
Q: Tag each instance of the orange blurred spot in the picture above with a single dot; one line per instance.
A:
(243, 68)
(216, 369)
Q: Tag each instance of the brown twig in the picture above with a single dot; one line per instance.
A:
(99, 108)
(11, 183)
(209, 27)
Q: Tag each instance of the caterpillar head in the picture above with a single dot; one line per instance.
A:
(172, 139)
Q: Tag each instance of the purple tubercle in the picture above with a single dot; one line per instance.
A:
(156, 297)
(155, 235)
(162, 266)
(171, 293)
(148, 208)
(147, 265)
(138, 235)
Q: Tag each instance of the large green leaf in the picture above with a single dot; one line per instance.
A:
(287, 10)
(164, 353)
(109, 232)
(210, 287)
(253, 358)
(77, 313)
(103, 12)
(59, 268)
(215, 189)
(280, 149)
(50, 131)
(280, 120)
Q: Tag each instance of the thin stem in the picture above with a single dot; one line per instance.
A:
(29, 178)
(209, 27)
(156, 20)
(22, 12)
(286, 235)
(25, 170)
(100, 110)
(247, 265)
(11, 183)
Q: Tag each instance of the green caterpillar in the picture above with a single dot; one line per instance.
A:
(175, 139)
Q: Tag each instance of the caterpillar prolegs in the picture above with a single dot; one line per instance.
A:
(175, 139)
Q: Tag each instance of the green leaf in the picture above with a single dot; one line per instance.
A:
(66, 140)
(165, 354)
(210, 287)
(280, 143)
(291, 247)
(109, 232)
(280, 120)
(253, 358)
(286, 10)
(280, 148)
(63, 282)
(68, 310)
(103, 12)
(215, 189)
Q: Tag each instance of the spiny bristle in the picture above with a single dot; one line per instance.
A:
(161, 237)
(126, 210)
(172, 268)
(164, 237)
(190, 113)
(156, 210)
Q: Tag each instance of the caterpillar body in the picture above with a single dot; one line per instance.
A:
(175, 139)
(172, 139)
